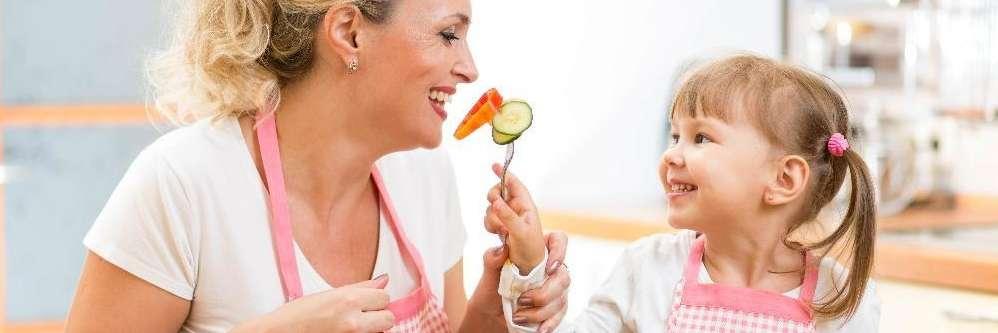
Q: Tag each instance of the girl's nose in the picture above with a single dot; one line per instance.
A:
(673, 157)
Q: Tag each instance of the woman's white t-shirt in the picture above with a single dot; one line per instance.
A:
(191, 217)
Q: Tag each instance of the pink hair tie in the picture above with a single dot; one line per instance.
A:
(837, 145)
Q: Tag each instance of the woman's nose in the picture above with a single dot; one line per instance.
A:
(465, 67)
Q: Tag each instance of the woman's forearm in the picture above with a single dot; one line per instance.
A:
(482, 317)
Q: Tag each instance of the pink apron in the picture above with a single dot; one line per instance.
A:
(700, 307)
(417, 312)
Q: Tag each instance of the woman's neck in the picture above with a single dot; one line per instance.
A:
(327, 146)
(753, 258)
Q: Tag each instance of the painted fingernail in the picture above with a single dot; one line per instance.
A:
(519, 320)
(553, 266)
(525, 301)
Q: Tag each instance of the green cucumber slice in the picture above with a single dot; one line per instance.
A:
(501, 138)
(514, 117)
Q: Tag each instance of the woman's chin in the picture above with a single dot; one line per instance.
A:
(430, 139)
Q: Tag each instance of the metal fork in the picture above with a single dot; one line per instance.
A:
(505, 168)
(502, 181)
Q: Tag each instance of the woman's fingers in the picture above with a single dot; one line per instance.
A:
(537, 315)
(494, 258)
(550, 324)
(554, 288)
(375, 321)
(557, 244)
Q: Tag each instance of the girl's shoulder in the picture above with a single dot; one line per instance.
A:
(663, 255)
(831, 276)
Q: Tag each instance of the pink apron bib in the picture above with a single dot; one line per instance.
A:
(700, 307)
(417, 312)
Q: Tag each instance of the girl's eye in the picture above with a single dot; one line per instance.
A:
(700, 139)
(449, 35)
(675, 139)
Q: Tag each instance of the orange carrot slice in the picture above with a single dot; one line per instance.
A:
(480, 114)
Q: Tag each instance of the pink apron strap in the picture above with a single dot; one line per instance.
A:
(280, 227)
(281, 231)
(412, 304)
(691, 271)
(745, 299)
(810, 283)
(409, 252)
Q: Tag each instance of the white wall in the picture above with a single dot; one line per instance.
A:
(598, 74)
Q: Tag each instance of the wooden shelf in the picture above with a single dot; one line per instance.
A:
(53, 327)
(68, 115)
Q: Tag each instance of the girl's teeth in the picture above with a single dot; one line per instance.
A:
(682, 188)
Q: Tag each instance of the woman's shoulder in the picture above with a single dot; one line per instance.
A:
(663, 247)
(207, 147)
(426, 162)
(200, 140)
(418, 172)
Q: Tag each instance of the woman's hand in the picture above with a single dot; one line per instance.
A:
(545, 305)
(519, 224)
(515, 220)
(360, 307)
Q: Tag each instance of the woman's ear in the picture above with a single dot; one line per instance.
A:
(791, 180)
(338, 32)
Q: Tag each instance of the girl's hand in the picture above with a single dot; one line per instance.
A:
(360, 307)
(516, 221)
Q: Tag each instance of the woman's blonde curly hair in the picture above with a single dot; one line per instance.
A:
(230, 57)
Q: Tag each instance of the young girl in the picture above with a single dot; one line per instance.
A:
(758, 149)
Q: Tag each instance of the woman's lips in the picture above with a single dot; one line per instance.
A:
(439, 109)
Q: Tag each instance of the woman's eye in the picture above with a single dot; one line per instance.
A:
(700, 139)
(449, 35)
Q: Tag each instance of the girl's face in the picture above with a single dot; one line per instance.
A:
(419, 59)
(714, 172)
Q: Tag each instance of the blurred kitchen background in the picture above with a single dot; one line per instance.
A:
(921, 77)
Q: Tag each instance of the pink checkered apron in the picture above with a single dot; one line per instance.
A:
(417, 312)
(714, 307)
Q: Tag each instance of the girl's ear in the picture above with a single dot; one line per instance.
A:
(791, 179)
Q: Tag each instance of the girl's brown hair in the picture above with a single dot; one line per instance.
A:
(797, 111)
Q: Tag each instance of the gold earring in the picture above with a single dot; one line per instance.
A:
(352, 66)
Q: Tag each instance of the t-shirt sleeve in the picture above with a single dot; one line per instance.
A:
(611, 303)
(867, 315)
(145, 227)
(866, 318)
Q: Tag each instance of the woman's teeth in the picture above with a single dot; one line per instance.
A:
(683, 188)
(440, 96)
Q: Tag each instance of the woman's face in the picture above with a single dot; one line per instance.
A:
(416, 60)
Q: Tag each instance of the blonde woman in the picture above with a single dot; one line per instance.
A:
(295, 199)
